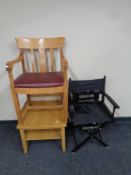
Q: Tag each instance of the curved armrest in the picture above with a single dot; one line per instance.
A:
(9, 64)
(64, 64)
(111, 100)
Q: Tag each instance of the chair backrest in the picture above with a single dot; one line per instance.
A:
(40, 53)
(86, 90)
(87, 85)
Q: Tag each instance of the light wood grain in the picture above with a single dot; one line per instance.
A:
(50, 90)
(42, 125)
(63, 144)
(30, 43)
(24, 141)
(49, 134)
(40, 120)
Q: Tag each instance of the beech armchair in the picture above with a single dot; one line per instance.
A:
(44, 73)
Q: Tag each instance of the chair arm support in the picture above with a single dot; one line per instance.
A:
(111, 100)
(9, 64)
(71, 108)
(64, 64)
(71, 111)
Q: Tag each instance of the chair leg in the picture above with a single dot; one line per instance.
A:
(65, 101)
(28, 99)
(63, 144)
(100, 141)
(81, 144)
(24, 142)
(92, 134)
(100, 135)
(74, 136)
(17, 106)
(95, 135)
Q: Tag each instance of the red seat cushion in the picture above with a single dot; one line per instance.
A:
(39, 80)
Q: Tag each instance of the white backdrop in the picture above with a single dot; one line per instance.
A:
(98, 41)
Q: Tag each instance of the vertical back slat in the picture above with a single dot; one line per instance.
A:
(61, 57)
(38, 58)
(42, 60)
(33, 60)
(52, 61)
(23, 61)
(23, 66)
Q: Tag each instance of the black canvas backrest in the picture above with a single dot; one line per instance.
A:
(87, 85)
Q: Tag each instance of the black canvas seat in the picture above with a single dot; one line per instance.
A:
(95, 112)
(88, 110)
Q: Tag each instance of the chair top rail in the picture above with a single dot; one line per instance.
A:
(37, 43)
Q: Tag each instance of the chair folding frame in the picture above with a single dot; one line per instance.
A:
(89, 92)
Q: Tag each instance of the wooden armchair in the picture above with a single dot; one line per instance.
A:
(41, 119)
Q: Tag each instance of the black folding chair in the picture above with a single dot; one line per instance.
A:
(88, 109)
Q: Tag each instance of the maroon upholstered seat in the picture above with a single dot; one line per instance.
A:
(39, 80)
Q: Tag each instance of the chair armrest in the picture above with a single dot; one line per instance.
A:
(9, 64)
(64, 64)
(111, 101)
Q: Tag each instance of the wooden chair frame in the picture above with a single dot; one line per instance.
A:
(39, 43)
